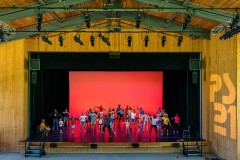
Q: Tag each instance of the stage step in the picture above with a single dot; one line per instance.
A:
(35, 150)
(192, 150)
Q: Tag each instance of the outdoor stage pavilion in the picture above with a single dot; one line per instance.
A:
(194, 43)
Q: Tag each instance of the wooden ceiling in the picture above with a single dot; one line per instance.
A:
(19, 16)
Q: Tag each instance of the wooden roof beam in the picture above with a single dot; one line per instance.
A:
(21, 12)
(198, 11)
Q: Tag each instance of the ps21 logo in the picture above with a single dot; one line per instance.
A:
(224, 106)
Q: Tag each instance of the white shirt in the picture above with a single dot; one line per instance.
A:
(154, 121)
(133, 115)
(60, 123)
(146, 117)
(83, 118)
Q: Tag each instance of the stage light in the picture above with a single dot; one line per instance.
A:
(92, 40)
(129, 39)
(230, 33)
(180, 39)
(87, 20)
(39, 21)
(78, 40)
(2, 36)
(45, 39)
(163, 40)
(187, 21)
(234, 22)
(138, 20)
(146, 39)
(104, 39)
(60, 38)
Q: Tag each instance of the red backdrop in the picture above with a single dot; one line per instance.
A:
(106, 88)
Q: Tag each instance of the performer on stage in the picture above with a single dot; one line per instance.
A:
(73, 122)
(176, 119)
(141, 113)
(65, 117)
(166, 123)
(82, 120)
(44, 129)
(107, 124)
(61, 124)
(154, 124)
(55, 118)
(146, 119)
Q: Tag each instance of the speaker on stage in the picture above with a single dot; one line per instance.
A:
(176, 145)
(93, 146)
(53, 145)
(34, 64)
(195, 77)
(34, 77)
(135, 145)
(194, 64)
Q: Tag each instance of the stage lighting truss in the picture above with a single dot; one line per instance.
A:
(60, 39)
(138, 20)
(129, 39)
(187, 20)
(180, 39)
(146, 40)
(39, 21)
(92, 39)
(1, 36)
(6, 29)
(87, 20)
(78, 40)
(233, 28)
(45, 39)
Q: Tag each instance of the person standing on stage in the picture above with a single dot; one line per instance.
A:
(100, 123)
(107, 124)
(166, 123)
(141, 113)
(121, 115)
(118, 112)
(61, 123)
(55, 118)
(146, 119)
(127, 124)
(93, 116)
(133, 118)
(65, 117)
(177, 120)
(154, 124)
(82, 120)
(73, 122)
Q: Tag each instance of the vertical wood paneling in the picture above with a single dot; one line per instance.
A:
(238, 96)
(12, 94)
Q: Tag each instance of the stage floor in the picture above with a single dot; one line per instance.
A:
(120, 135)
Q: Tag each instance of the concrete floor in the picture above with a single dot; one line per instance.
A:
(103, 156)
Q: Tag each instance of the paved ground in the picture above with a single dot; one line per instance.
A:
(102, 156)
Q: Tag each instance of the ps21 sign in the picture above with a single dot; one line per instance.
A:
(224, 106)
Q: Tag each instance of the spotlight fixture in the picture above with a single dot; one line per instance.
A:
(39, 21)
(163, 40)
(92, 40)
(129, 39)
(87, 20)
(2, 36)
(146, 39)
(230, 33)
(104, 39)
(60, 38)
(138, 20)
(78, 40)
(45, 39)
(187, 21)
(180, 39)
(234, 22)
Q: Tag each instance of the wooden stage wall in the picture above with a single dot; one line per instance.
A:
(219, 82)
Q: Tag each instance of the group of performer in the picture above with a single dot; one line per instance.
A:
(96, 116)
